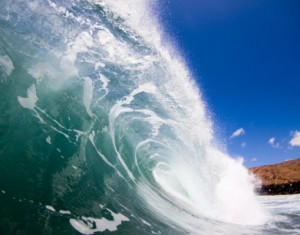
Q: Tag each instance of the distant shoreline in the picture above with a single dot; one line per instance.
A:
(278, 179)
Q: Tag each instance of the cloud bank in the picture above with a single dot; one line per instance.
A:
(295, 141)
(273, 143)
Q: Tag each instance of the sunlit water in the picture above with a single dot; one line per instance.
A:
(102, 129)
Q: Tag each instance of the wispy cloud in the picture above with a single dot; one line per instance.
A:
(237, 133)
(254, 159)
(243, 145)
(295, 141)
(273, 143)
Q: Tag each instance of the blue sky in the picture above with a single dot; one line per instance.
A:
(245, 56)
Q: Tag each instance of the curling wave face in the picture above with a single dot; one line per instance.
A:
(102, 121)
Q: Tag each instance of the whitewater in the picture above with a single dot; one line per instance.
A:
(103, 129)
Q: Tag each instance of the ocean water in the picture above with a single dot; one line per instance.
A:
(103, 130)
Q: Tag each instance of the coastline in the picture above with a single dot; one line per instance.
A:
(278, 179)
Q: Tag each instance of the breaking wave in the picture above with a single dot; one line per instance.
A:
(104, 126)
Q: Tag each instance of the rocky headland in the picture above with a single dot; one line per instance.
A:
(281, 178)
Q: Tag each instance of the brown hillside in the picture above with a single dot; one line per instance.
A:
(281, 178)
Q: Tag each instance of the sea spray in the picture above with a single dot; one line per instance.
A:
(221, 187)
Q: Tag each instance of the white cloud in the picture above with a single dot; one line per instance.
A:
(273, 143)
(237, 133)
(243, 145)
(272, 140)
(254, 159)
(295, 141)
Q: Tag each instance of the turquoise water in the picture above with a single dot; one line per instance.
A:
(102, 129)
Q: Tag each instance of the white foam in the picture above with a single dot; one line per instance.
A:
(30, 101)
(119, 52)
(33, 5)
(230, 198)
(104, 81)
(50, 208)
(99, 65)
(145, 222)
(48, 140)
(115, 50)
(78, 134)
(61, 132)
(64, 11)
(64, 212)
(91, 138)
(81, 43)
(88, 95)
(2, 191)
(6, 65)
(80, 226)
(42, 70)
(100, 224)
(137, 16)
(118, 109)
